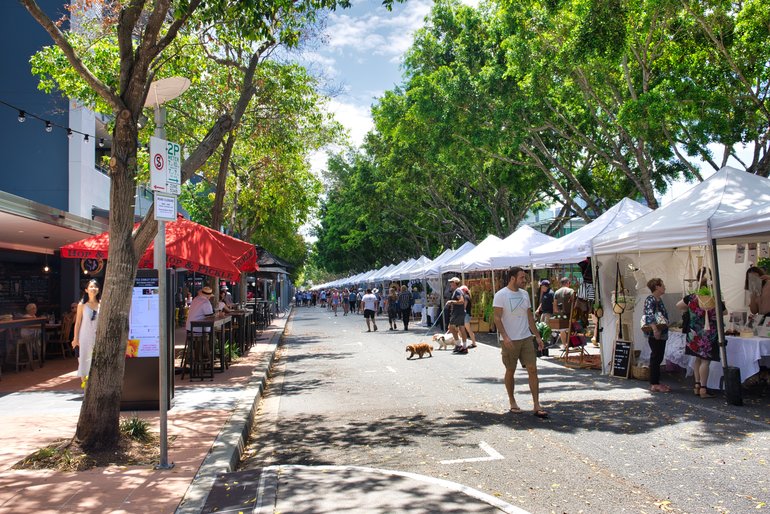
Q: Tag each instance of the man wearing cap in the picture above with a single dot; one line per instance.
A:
(200, 307)
(456, 306)
(516, 326)
(545, 307)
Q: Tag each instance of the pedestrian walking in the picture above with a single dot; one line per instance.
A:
(334, 300)
(85, 329)
(467, 324)
(456, 306)
(392, 308)
(516, 325)
(345, 303)
(369, 301)
(405, 300)
(352, 300)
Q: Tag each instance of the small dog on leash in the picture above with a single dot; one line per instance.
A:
(442, 340)
(420, 349)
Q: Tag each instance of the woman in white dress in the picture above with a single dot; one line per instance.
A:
(85, 329)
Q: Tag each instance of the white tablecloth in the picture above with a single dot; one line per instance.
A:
(742, 352)
(428, 311)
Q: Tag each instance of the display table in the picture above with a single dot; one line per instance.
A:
(428, 312)
(744, 353)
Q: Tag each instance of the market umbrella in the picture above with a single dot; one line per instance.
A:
(188, 245)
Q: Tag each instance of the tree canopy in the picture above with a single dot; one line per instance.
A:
(511, 106)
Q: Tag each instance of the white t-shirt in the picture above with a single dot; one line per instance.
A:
(199, 308)
(369, 301)
(515, 307)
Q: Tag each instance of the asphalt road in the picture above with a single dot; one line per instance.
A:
(342, 396)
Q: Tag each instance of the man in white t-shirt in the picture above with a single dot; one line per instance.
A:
(516, 326)
(369, 300)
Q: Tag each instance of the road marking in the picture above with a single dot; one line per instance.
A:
(492, 455)
(390, 369)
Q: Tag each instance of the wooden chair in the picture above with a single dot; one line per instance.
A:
(61, 343)
(569, 347)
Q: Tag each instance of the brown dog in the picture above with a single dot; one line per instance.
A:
(420, 349)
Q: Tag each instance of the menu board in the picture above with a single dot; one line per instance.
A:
(144, 322)
(621, 358)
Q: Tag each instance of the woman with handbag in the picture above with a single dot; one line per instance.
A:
(656, 322)
(702, 340)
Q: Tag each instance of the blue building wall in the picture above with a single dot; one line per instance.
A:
(33, 162)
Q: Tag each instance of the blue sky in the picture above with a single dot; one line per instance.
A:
(362, 51)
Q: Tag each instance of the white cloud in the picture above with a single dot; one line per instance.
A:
(356, 118)
(378, 32)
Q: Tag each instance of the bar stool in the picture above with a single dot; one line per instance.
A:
(24, 343)
(197, 356)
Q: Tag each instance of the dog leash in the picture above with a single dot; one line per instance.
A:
(435, 322)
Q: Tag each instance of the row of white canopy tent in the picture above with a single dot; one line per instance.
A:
(732, 206)
(524, 247)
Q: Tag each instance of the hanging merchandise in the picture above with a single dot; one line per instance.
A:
(620, 294)
(598, 309)
(689, 282)
(740, 253)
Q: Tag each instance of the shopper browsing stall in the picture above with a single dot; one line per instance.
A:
(656, 319)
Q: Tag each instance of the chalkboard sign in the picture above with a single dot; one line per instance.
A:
(621, 358)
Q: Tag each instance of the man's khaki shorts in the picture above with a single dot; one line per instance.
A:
(522, 349)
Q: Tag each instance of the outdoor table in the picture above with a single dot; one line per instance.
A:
(216, 325)
(19, 323)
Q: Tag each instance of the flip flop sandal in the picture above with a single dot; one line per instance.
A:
(540, 414)
(515, 410)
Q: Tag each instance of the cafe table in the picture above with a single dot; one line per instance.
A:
(13, 324)
(215, 327)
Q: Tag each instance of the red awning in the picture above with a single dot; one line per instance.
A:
(188, 245)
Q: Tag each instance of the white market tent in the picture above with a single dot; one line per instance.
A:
(686, 220)
(515, 249)
(436, 268)
(577, 245)
(660, 242)
(420, 272)
(394, 273)
(475, 259)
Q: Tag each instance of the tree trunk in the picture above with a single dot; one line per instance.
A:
(99, 422)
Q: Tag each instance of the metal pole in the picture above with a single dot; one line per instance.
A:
(730, 376)
(159, 258)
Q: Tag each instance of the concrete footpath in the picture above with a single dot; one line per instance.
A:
(207, 427)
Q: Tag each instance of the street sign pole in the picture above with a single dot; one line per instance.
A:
(162, 91)
(159, 257)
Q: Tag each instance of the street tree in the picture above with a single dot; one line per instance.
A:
(143, 33)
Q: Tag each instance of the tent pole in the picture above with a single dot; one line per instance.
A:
(732, 384)
(532, 285)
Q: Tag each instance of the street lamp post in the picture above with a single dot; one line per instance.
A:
(162, 91)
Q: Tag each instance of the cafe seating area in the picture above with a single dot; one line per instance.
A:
(25, 342)
(213, 343)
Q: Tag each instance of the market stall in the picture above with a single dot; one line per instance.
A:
(664, 242)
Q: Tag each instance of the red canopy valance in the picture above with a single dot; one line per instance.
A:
(189, 245)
